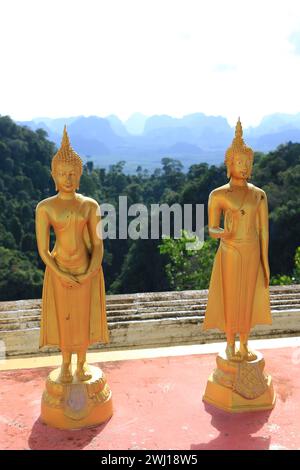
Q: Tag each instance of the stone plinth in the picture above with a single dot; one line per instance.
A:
(78, 404)
(240, 386)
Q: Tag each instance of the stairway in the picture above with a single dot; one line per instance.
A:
(148, 319)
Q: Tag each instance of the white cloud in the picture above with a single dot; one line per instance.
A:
(71, 57)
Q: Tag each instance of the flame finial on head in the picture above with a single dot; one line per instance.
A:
(65, 141)
(238, 129)
(66, 154)
(237, 147)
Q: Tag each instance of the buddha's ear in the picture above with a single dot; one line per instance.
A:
(78, 181)
(250, 168)
(228, 172)
(53, 176)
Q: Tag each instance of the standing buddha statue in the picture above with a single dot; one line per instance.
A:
(239, 286)
(73, 300)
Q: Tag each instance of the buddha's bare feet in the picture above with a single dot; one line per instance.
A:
(246, 353)
(66, 373)
(232, 355)
(83, 372)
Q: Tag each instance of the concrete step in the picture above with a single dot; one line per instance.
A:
(33, 321)
(155, 332)
(160, 318)
(26, 314)
(126, 300)
(32, 317)
(24, 306)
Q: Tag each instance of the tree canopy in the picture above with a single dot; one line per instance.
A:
(133, 265)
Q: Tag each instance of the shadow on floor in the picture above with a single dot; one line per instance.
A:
(236, 430)
(44, 437)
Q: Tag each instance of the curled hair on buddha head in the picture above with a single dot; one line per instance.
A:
(66, 154)
(238, 147)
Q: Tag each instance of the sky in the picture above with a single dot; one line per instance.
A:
(231, 58)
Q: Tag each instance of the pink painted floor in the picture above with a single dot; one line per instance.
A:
(158, 405)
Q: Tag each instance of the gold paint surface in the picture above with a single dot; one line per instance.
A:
(239, 286)
(243, 386)
(77, 404)
(73, 300)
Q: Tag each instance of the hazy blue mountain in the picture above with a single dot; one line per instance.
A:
(208, 132)
(95, 128)
(158, 122)
(275, 123)
(268, 142)
(117, 125)
(135, 123)
(168, 136)
(183, 148)
(89, 147)
(36, 124)
(195, 121)
(91, 136)
(194, 138)
(56, 125)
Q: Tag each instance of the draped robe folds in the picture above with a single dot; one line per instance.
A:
(73, 318)
(238, 298)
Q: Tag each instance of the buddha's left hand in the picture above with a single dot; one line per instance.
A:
(82, 278)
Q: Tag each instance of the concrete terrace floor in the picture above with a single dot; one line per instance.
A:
(157, 396)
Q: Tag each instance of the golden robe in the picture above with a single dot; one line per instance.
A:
(238, 298)
(73, 317)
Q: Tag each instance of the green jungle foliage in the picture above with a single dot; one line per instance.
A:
(188, 268)
(135, 265)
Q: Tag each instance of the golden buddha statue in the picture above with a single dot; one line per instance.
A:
(239, 287)
(73, 300)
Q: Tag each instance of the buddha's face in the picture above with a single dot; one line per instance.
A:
(66, 177)
(241, 166)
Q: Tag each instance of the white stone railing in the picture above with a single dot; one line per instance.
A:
(148, 319)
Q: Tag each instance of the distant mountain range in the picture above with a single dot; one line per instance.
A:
(144, 141)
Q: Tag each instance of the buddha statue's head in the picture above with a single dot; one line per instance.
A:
(66, 166)
(239, 157)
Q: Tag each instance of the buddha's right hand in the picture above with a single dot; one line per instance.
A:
(228, 230)
(230, 225)
(218, 232)
(68, 280)
(226, 234)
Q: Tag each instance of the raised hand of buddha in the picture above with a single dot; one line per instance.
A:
(215, 230)
(227, 233)
(223, 233)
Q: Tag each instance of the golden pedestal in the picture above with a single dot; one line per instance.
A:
(240, 386)
(78, 404)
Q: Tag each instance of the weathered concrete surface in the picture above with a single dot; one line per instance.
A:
(148, 319)
(157, 405)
